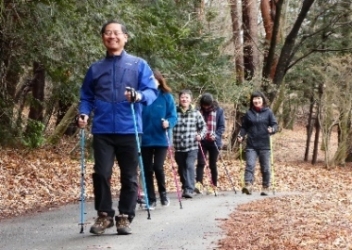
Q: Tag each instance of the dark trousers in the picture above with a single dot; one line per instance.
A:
(186, 171)
(153, 162)
(213, 157)
(107, 147)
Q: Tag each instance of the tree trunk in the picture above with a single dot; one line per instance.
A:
(38, 86)
(9, 78)
(309, 127)
(287, 49)
(317, 126)
(316, 141)
(250, 38)
(236, 37)
(272, 22)
(64, 124)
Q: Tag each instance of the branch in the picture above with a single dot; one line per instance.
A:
(316, 50)
(331, 50)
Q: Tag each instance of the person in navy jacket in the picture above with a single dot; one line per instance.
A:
(104, 97)
(214, 118)
(258, 124)
(158, 120)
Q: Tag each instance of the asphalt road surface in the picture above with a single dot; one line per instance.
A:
(195, 226)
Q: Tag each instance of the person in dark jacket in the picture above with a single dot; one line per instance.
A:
(110, 88)
(214, 118)
(158, 120)
(258, 124)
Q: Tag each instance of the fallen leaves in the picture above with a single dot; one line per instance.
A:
(317, 215)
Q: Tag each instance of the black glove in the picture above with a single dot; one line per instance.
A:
(135, 96)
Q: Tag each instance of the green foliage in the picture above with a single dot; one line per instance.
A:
(64, 36)
(34, 137)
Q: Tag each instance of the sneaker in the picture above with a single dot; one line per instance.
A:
(215, 190)
(152, 206)
(247, 189)
(123, 224)
(186, 194)
(101, 223)
(211, 190)
(165, 202)
(265, 191)
(198, 188)
(140, 200)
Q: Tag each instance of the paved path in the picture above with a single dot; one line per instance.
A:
(196, 226)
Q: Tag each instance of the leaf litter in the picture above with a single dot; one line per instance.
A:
(317, 216)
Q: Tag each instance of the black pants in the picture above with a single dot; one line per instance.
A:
(213, 157)
(124, 148)
(153, 162)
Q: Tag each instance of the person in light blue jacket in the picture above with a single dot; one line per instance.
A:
(158, 120)
(111, 87)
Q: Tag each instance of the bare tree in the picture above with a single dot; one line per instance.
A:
(236, 37)
(250, 37)
(271, 12)
(287, 51)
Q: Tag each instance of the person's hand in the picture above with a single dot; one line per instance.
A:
(239, 139)
(82, 120)
(270, 130)
(165, 123)
(198, 137)
(132, 95)
(211, 137)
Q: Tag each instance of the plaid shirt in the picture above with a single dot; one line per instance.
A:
(189, 124)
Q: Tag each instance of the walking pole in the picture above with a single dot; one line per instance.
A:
(272, 163)
(82, 198)
(242, 167)
(205, 161)
(173, 169)
(141, 167)
(227, 172)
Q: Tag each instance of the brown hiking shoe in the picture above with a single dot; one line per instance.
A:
(123, 224)
(265, 191)
(247, 189)
(101, 223)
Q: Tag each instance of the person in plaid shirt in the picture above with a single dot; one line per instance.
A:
(188, 132)
(215, 120)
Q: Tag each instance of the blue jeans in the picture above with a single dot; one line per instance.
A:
(264, 162)
(186, 169)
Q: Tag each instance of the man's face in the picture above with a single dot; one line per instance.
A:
(185, 100)
(114, 39)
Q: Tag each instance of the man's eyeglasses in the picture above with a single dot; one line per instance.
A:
(111, 32)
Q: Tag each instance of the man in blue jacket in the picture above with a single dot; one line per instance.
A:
(104, 93)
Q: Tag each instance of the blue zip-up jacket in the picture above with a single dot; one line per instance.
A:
(162, 108)
(102, 93)
(255, 125)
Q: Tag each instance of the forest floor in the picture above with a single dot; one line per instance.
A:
(318, 217)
